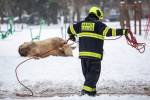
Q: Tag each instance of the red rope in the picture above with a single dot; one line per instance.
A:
(147, 29)
(133, 42)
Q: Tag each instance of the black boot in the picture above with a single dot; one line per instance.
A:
(93, 93)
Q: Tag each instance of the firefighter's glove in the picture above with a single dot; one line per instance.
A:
(72, 37)
(126, 32)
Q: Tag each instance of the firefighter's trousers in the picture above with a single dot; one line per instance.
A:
(91, 69)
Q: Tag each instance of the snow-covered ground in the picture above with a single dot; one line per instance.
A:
(125, 73)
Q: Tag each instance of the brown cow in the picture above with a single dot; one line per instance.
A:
(52, 46)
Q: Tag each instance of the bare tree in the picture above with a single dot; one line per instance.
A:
(77, 6)
(5, 9)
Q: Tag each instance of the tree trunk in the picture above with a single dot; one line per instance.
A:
(20, 17)
(73, 16)
(2, 19)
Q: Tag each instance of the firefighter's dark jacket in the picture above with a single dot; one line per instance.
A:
(91, 34)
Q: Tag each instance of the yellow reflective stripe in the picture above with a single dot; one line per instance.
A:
(113, 32)
(124, 32)
(72, 30)
(91, 54)
(89, 89)
(105, 31)
(93, 35)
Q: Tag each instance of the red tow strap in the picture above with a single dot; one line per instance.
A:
(131, 40)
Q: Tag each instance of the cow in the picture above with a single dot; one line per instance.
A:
(54, 46)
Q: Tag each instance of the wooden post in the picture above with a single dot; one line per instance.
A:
(121, 14)
(140, 15)
(124, 15)
(137, 6)
(135, 16)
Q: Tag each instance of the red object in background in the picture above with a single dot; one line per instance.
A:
(147, 29)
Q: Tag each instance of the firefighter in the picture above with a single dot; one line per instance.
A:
(91, 32)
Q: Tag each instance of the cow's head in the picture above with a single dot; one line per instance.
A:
(25, 48)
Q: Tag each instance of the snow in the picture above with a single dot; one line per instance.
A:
(125, 73)
(102, 97)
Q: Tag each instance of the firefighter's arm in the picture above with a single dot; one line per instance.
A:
(72, 33)
(114, 32)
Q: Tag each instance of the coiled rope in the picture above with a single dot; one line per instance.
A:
(131, 40)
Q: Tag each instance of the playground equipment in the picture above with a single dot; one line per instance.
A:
(124, 15)
(10, 29)
(137, 14)
(36, 36)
